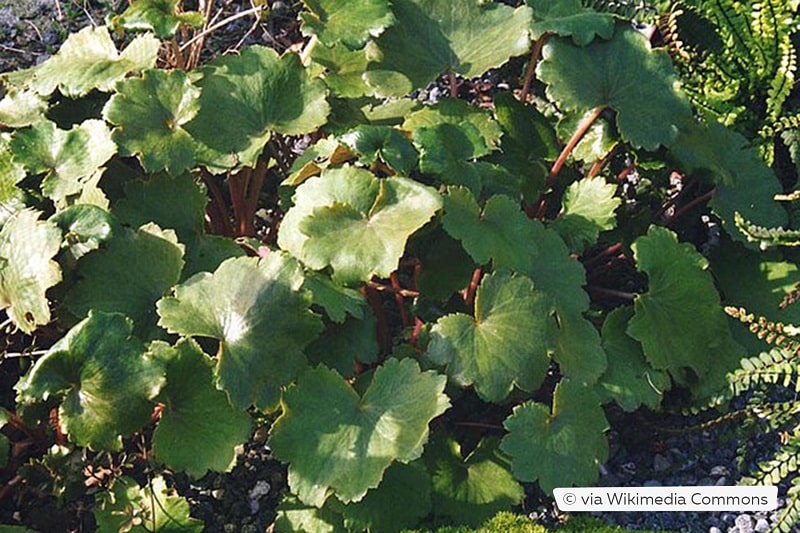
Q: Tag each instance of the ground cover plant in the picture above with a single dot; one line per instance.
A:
(417, 299)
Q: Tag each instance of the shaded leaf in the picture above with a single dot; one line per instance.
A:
(595, 144)
(89, 60)
(337, 300)
(344, 442)
(246, 97)
(504, 345)
(445, 152)
(150, 114)
(105, 378)
(432, 36)
(470, 490)
(257, 312)
(27, 270)
(140, 265)
(350, 23)
(382, 143)
(354, 222)
(195, 411)
(569, 18)
(560, 446)
(623, 74)
(341, 345)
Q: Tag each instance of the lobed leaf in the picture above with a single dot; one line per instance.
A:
(589, 206)
(159, 16)
(106, 379)
(336, 441)
(256, 310)
(504, 345)
(560, 446)
(195, 411)
(456, 113)
(21, 107)
(85, 228)
(351, 23)
(383, 143)
(354, 222)
(27, 270)
(569, 18)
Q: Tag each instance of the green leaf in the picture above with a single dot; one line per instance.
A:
(89, 60)
(679, 320)
(505, 344)
(27, 245)
(457, 112)
(20, 108)
(195, 411)
(341, 345)
(560, 446)
(245, 97)
(629, 380)
(257, 312)
(159, 16)
(150, 114)
(140, 265)
(500, 233)
(445, 266)
(337, 300)
(595, 144)
(623, 74)
(351, 23)
(432, 36)
(745, 184)
(379, 511)
(354, 222)
(106, 380)
(153, 508)
(445, 150)
(589, 206)
(12, 199)
(342, 69)
(336, 441)
(69, 158)
(205, 253)
(294, 515)
(470, 490)
(527, 134)
(85, 228)
(569, 18)
(171, 202)
(383, 143)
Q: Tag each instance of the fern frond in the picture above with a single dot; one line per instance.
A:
(774, 367)
(783, 464)
(780, 124)
(783, 79)
(766, 237)
(791, 513)
(792, 297)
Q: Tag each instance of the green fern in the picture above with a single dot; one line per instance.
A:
(766, 237)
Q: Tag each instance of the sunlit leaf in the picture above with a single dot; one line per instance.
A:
(382, 143)
(350, 23)
(21, 108)
(570, 18)
(589, 206)
(85, 227)
(159, 16)
(457, 112)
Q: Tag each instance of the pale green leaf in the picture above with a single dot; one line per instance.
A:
(432, 36)
(85, 227)
(140, 265)
(354, 222)
(337, 441)
(21, 108)
(153, 508)
(245, 97)
(558, 446)
(257, 312)
(89, 60)
(27, 270)
(504, 345)
(105, 378)
(595, 144)
(350, 23)
(589, 206)
(296, 516)
(624, 74)
(343, 69)
(195, 411)
(446, 151)
(457, 112)
(159, 16)
(69, 159)
(470, 490)
(337, 300)
(150, 114)
(382, 143)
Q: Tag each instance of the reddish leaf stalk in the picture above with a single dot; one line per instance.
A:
(254, 187)
(451, 77)
(236, 190)
(675, 199)
(469, 293)
(217, 209)
(611, 250)
(688, 207)
(534, 60)
(418, 325)
(406, 293)
(583, 127)
(399, 299)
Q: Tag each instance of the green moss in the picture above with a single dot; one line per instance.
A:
(510, 523)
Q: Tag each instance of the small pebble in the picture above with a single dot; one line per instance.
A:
(218, 494)
(721, 482)
(720, 470)
(714, 529)
(745, 523)
(762, 526)
(661, 463)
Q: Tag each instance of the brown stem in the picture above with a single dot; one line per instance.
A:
(481, 425)
(405, 293)
(418, 325)
(598, 165)
(218, 210)
(399, 300)
(674, 200)
(583, 127)
(630, 296)
(469, 293)
(534, 60)
(688, 207)
(451, 76)
(177, 54)
(237, 199)
(254, 189)
(611, 250)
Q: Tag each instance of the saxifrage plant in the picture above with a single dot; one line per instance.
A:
(423, 304)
